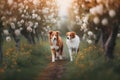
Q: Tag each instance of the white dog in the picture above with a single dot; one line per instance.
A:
(72, 42)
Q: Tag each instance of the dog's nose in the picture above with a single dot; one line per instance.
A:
(67, 37)
(55, 38)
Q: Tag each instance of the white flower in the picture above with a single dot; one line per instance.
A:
(6, 32)
(84, 37)
(112, 13)
(90, 33)
(24, 11)
(17, 32)
(21, 28)
(48, 2)
(10, 2)
(104, 21)
(30, 23)
(12, 25)
(8, 38)
(98, 1)
(34, 16)
(36, 25)
(88, 0)
(29, 29)
(93, 10)
(99, 9)
(84, 26)
(53, 21)
(3, 18)
(36, 2)
(89, 41)
(14, 19)
(22, 15)
(22, 21)
(96, 20)
(19, 24)
(45, 10)
(118, 35)
(38, 18)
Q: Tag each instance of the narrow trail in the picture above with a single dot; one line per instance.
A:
(53, 71)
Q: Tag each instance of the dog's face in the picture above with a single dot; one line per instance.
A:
(70, 35)
(54, 35)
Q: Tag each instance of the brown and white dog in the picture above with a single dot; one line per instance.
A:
(56, 45)
(72, 42)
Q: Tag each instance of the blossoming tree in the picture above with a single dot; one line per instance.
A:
(29, 18)
(101, 18)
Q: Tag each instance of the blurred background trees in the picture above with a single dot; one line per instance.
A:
(29, 18)
(99, 18)
(93, 20)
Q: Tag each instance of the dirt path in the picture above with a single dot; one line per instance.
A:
(53, 71)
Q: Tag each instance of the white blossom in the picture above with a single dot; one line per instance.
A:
(89, 41)
(112, 13)
(22, 21)
(118, 35)
(104, 21)
(90, 33)
(21, 28)
(10, 2)
(34, 16)
(53, 20)
(8, 38)
(84, 37)
(36, 2)
(12, 25)
(30, 23)
(93, 10)
(99, 9)
(38, 18)
(17, 32)
(6, 32)
(98, 1)
(48, 2)
(45, 10)
(29, 29)
(96, 20)
(22, 15)
(3, 18)
(36, 25)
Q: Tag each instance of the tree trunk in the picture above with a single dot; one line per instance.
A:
(104, 35)
(1, 54)
(111, 43)
(17, 40)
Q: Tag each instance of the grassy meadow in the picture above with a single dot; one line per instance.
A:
(90, 64)
(31, 60)
(25, 64)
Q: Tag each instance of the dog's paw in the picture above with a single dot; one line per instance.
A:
(60, 57)
(53, 60)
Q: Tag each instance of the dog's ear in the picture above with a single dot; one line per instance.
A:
(58, 32)
(74, 33)
(50, 32)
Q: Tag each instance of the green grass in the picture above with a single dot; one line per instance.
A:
(90, 64)
(29, 61)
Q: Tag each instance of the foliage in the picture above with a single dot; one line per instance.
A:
(28, 61)
(90, 64)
